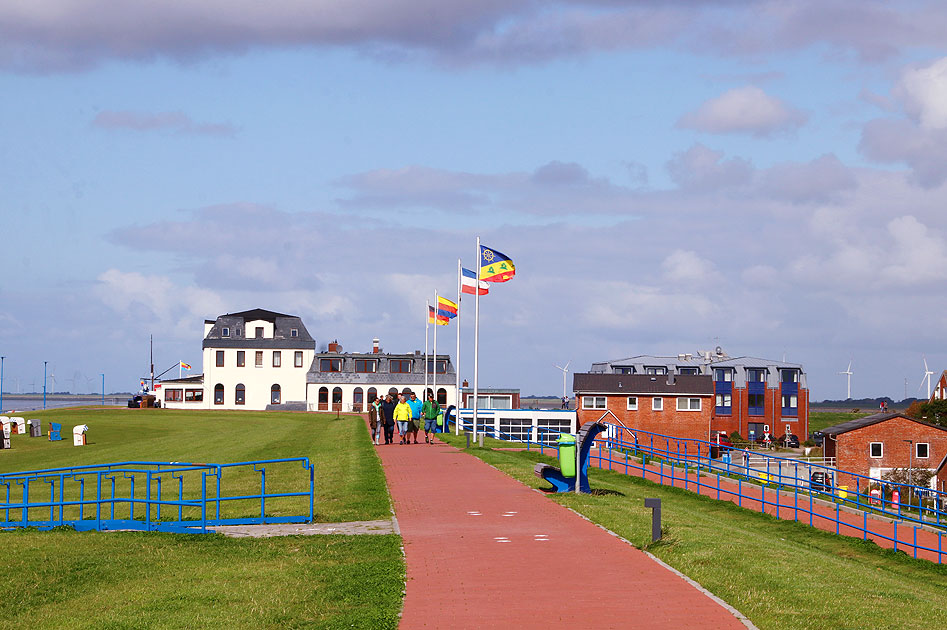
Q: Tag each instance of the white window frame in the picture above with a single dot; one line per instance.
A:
(657, 404)
(225, 331)
(687, 400)
(298, 358)
(724, 400)
(881, 453)
(258, 358)
(294, 332)
(277, 359)
(917, 453)
(632, 406)
(793, 401)
(586, 404)
(727, 374)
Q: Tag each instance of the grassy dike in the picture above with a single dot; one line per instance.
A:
(62, 578)
(780, 574)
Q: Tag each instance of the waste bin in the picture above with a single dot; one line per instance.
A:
(78, 434)
(567, 454)
(714, 451)
(36, 427)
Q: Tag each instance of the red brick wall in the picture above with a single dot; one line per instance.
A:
(772, 414)
(852, 448)
(670, 421)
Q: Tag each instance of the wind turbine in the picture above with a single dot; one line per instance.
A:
(927, 377)
(565, 372)
(848, 372)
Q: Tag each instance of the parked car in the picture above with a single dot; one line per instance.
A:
(792, 441)
(821, 481)
(723, 440)
(817, 437)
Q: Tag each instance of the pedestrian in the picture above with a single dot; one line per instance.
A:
(387, 409)
(430, 411)
(402, 415)
(565, 402)
(416, 407)
(373, 421)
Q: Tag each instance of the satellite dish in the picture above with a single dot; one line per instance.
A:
(718, 350)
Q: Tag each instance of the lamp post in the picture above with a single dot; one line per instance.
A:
(1, 383)
(103, 389)
(910, 460)
(44, 384)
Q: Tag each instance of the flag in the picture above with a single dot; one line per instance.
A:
(446, 308)
(434, 318)
(495, 266)
(468, 283)
(185, 365)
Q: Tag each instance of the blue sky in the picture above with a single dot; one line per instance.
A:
(668, 177)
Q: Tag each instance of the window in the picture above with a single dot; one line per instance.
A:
(365, 366)
(358, 395)
(220, 358)
(690, 371)
(491, 402)
(723, 375)
(790, 401)
(330, 365)
(372, 394)
(442, 396)
(237, 332)
(218, 394)
(323, 395)
(657, 404)
(922, 450)
(876, 450)
(632, 403)
(177, 395)
(441, 366)
(298, 358)
(224, 332)
(755, 403)
(593, 402)
(756, 375)
(259, 332)
(337, 399)
(240, 395)
(258, 358)
(688, 404)
(656, 370)
(790, 376)
(294, 332)
(624, 370)
(399, 366)
(275, 395)
(277, 358)
(193, 395)
(241, 358)
(724, 400)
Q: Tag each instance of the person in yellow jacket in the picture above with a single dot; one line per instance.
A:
(402, 417)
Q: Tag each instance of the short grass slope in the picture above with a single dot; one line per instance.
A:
(780, 574)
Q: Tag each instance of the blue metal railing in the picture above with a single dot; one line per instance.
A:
(170, 496)
(775, 484)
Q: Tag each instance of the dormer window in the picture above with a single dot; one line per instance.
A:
(237, 333)
(259, 332)
(224, 332)
(294, 332)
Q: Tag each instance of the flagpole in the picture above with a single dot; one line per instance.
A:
(434, 374)
(476, 342)
(457, 396)
(427, 324)
(180, 371)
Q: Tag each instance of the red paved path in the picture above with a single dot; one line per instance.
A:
(485, 551)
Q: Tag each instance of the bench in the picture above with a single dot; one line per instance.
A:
(563, 483)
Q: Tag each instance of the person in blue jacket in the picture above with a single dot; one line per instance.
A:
(415, 425)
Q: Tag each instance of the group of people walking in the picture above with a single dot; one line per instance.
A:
(410, 414)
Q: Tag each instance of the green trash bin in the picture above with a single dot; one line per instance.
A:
(567, 454)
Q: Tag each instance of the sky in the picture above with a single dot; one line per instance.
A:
(668, 177)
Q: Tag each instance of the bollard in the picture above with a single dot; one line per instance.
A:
(481, 440)
(467, 433)
(655, 505)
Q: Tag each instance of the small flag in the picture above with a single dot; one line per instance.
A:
(495, 266)
(468, 283)
(185, 365)
(434, 318)
(446, 308)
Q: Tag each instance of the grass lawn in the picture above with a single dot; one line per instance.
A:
(780, 574)
(819, 420)
(65, 579)
(62, 578)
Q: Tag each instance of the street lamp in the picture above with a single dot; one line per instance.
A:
(910, 460)
(103, 389)
(1, 383)
(44, 384)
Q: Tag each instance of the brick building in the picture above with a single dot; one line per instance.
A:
(877, 444)
(751, 395)
(668, 404)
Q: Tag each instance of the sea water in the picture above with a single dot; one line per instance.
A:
(13, 404)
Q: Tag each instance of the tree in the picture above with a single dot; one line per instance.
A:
(934, 411)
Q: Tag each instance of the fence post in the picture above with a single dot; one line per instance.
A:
(312, 491)
(148, 501)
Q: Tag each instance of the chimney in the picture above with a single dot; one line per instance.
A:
(670, 378)
(334, 346)
(375, 348)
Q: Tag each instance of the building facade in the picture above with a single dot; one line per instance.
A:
(877, 444)
(752, 396)
(343, 381)
(668, 404)
(491, 398)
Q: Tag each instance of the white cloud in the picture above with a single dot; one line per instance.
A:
(685, 266)
(923, 91)
(747, 110)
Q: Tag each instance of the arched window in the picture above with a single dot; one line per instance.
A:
(275, 394)
(441, 396)
(357, 399)
(218, 394)
(428, 392)
(337, 399)
(323, 399)
(240, 395)
(406, 391)
(393, 392)
(372, 394)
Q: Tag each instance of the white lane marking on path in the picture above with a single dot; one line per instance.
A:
(541, 537)
(473, 513)
(508, 514)
(501, 539)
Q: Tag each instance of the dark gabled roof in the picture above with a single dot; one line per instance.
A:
(867, 421)
(197, 378)
(702, 385)
(258, 313)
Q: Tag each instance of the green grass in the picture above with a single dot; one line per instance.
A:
(819, 420)
(780, 574)
(65, 579)
(349, 481)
